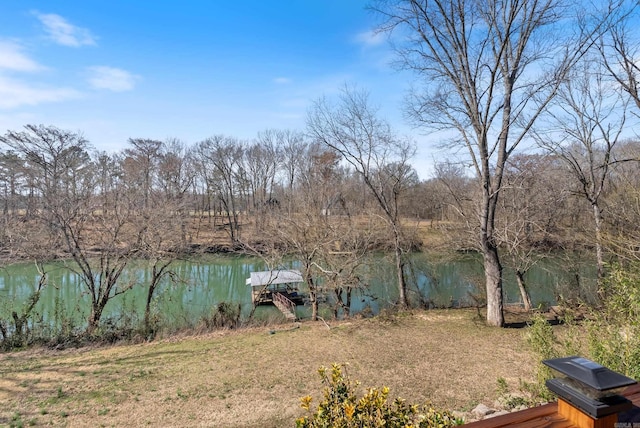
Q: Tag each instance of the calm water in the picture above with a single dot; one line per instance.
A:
(208, 281)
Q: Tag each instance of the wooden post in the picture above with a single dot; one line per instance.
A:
(582, 420)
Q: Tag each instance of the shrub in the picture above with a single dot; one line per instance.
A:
(224, 315)
(543, 343)
(614, 330)
(341, 408)
(227, 315)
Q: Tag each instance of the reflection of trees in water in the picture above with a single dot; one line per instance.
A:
(433, 282)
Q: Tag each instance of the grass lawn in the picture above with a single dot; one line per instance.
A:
(255, 377)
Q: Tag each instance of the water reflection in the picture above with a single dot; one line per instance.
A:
(208, 281)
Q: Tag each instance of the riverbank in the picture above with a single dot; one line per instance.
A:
(255, 377)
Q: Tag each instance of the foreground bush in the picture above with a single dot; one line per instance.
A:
(614, 330)
(609, 334)
(341, 408)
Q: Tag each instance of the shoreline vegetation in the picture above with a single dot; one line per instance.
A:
(209, 242)
(207, 237)
(255, 376)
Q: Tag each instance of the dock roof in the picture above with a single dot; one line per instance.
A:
(269, 277)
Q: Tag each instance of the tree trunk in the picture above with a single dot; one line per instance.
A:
(18, 333)
(347, 303)
(147, 308)
(313, 296)
(402, 284)
(183, 228)
(313, 299)
(524, 293)
(597, 217)
(493, 277)
(94, 317)
(3, 330)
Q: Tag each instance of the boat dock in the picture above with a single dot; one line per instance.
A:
(280, 288)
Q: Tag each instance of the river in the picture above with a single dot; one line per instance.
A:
(207, 281)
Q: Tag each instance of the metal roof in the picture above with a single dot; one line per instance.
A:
(259, 279)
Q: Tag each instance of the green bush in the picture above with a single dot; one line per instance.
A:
(543, 342)
(341, 408)
(545, 345)
(614, 330)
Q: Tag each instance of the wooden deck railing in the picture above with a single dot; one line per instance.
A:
(547, 416)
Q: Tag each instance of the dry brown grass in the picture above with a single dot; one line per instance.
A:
(254, 378)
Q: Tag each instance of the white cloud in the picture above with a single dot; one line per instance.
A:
(281, 80)
(370, 38)
(15, 93)
(13, 58)
(112, 79)
(64, 33)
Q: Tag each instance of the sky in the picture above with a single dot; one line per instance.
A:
(121, 69)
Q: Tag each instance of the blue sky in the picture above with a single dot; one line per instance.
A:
(166, 69)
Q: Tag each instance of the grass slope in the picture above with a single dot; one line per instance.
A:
(255, 377)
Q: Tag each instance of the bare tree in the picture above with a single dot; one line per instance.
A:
(159, 216)
(140, 164)
(488, 70)
(203, 188)
(531, 211)
(330, 249)
(319, 177)
(340, 263)
(221, 158)
(620, 49)
(160, 243)
(590, 116)
(12, 178)
(176, 175)
(261, 161)
(623, 197)
(109, 176)
(367, 143)
(98, 242)
(291, 144)
(455, 192)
